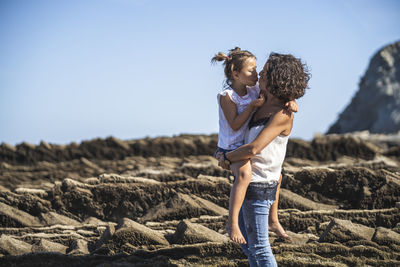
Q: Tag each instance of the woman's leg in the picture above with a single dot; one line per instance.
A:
(273, 220)
(245, 247)
(242, 173)
(255, 218)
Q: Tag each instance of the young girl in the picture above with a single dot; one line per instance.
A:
(236, 105)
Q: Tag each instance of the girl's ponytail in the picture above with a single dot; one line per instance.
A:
(219, 57)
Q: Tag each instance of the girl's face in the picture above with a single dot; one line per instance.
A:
(248, 73)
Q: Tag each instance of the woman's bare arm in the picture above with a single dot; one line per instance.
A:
(280, 123)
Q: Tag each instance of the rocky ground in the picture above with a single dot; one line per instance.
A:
(163, 202)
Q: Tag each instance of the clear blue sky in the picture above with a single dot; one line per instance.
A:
(75, 70)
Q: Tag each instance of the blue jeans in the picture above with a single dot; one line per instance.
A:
(253, 223)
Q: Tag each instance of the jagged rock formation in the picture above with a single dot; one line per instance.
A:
(340, 204)
(51, 156)
(376, 105)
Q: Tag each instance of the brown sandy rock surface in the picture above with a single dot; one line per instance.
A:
(45, 245)
(164, 201)
(13, 246)
(191, 233)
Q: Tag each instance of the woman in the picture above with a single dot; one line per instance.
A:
(282, 79)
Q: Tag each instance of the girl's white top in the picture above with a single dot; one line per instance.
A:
(266, 166)
(227, 137)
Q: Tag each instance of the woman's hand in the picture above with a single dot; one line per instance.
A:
(292, 106)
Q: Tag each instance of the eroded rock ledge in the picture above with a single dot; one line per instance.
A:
(171, 210)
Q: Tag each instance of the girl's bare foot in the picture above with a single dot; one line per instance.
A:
(277, 228)
(235, 234)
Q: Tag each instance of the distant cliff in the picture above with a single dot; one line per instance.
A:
(376, 105)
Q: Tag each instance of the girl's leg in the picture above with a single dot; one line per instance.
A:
(273, 221)
(242, 173)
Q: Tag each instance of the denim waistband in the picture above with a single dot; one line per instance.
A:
(271, 184)
(262, 191)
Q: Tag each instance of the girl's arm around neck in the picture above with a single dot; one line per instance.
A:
(280, 123)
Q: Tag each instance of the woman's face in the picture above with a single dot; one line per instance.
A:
(248, 73)
(262, 81)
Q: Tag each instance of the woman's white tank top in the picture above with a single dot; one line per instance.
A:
(267, 165)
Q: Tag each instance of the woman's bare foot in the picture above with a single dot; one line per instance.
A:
(235, 234)
(277, 228)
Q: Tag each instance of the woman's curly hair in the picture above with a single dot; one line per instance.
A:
(286, 76)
